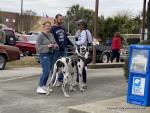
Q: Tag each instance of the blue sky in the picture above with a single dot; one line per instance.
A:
(52, 7)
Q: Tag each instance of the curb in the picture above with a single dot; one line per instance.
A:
(105, 65)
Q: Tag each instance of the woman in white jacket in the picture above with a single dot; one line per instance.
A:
(83, 37)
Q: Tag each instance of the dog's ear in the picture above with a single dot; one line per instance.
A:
(67, 60)
(87, 49)
(72, 63)
(78, 59)
(75, 62)
(59, 64)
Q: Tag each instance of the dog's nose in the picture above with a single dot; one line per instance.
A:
(82, 48)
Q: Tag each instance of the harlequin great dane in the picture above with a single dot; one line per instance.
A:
(69, 67)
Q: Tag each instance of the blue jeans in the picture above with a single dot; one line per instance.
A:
(58, 54)
(46, 63)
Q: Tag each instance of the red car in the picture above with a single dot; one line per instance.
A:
(8, 54)
(26, 44)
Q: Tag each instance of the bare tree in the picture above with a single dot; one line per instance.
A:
(29, 19)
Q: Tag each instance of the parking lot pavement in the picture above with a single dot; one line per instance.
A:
(115, 105)
(15, 73)
(19, 95)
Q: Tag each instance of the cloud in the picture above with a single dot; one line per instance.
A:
(52, 7)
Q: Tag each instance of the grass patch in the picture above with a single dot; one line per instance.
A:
(23, 62)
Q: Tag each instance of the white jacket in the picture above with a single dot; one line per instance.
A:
(83, 37)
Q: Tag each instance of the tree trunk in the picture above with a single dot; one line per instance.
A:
(143, 20)
(148, 20)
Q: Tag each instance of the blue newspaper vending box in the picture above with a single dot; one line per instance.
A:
(139, 75)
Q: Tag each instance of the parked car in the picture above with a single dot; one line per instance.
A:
(127, 40)
(103, 52)
(8, 54)
(10, 38)
(26, 44)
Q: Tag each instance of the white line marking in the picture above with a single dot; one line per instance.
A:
(17, 78)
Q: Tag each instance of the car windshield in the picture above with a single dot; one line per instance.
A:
(20, 38)
(9, 32)
(128, 39)
(133, 40)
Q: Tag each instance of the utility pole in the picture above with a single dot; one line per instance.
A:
(95, 31)
(68, 23)
(68, 26)
(143, 20)
(21, 19)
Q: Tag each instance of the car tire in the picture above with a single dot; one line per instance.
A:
(105, 58)
(24, 53)
(29, 53)
(10, 40)
(2, 62)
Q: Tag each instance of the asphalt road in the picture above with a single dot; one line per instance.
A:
(19, 95)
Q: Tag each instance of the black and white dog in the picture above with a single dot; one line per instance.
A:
(69, 67)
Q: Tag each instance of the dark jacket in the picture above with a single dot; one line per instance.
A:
(60, 36)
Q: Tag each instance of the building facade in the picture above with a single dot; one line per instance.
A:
(10, 19)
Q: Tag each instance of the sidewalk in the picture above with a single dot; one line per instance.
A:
(15, 73)
(116, 105)
(105, 65)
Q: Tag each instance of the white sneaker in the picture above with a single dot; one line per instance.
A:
(84, 85)
(40, 90)
(45, 88)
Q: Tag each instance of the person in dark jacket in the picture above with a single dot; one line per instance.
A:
(116, 45)
(60, 36)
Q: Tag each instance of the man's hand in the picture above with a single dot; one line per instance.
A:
(55, 46)
(50, 45)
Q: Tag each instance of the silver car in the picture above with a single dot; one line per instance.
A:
(126, 42)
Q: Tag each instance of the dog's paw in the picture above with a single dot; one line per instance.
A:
(84, 86)
(75, 84)
(82, 90)
(48, 92)
(73, 89)
(66, 95)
